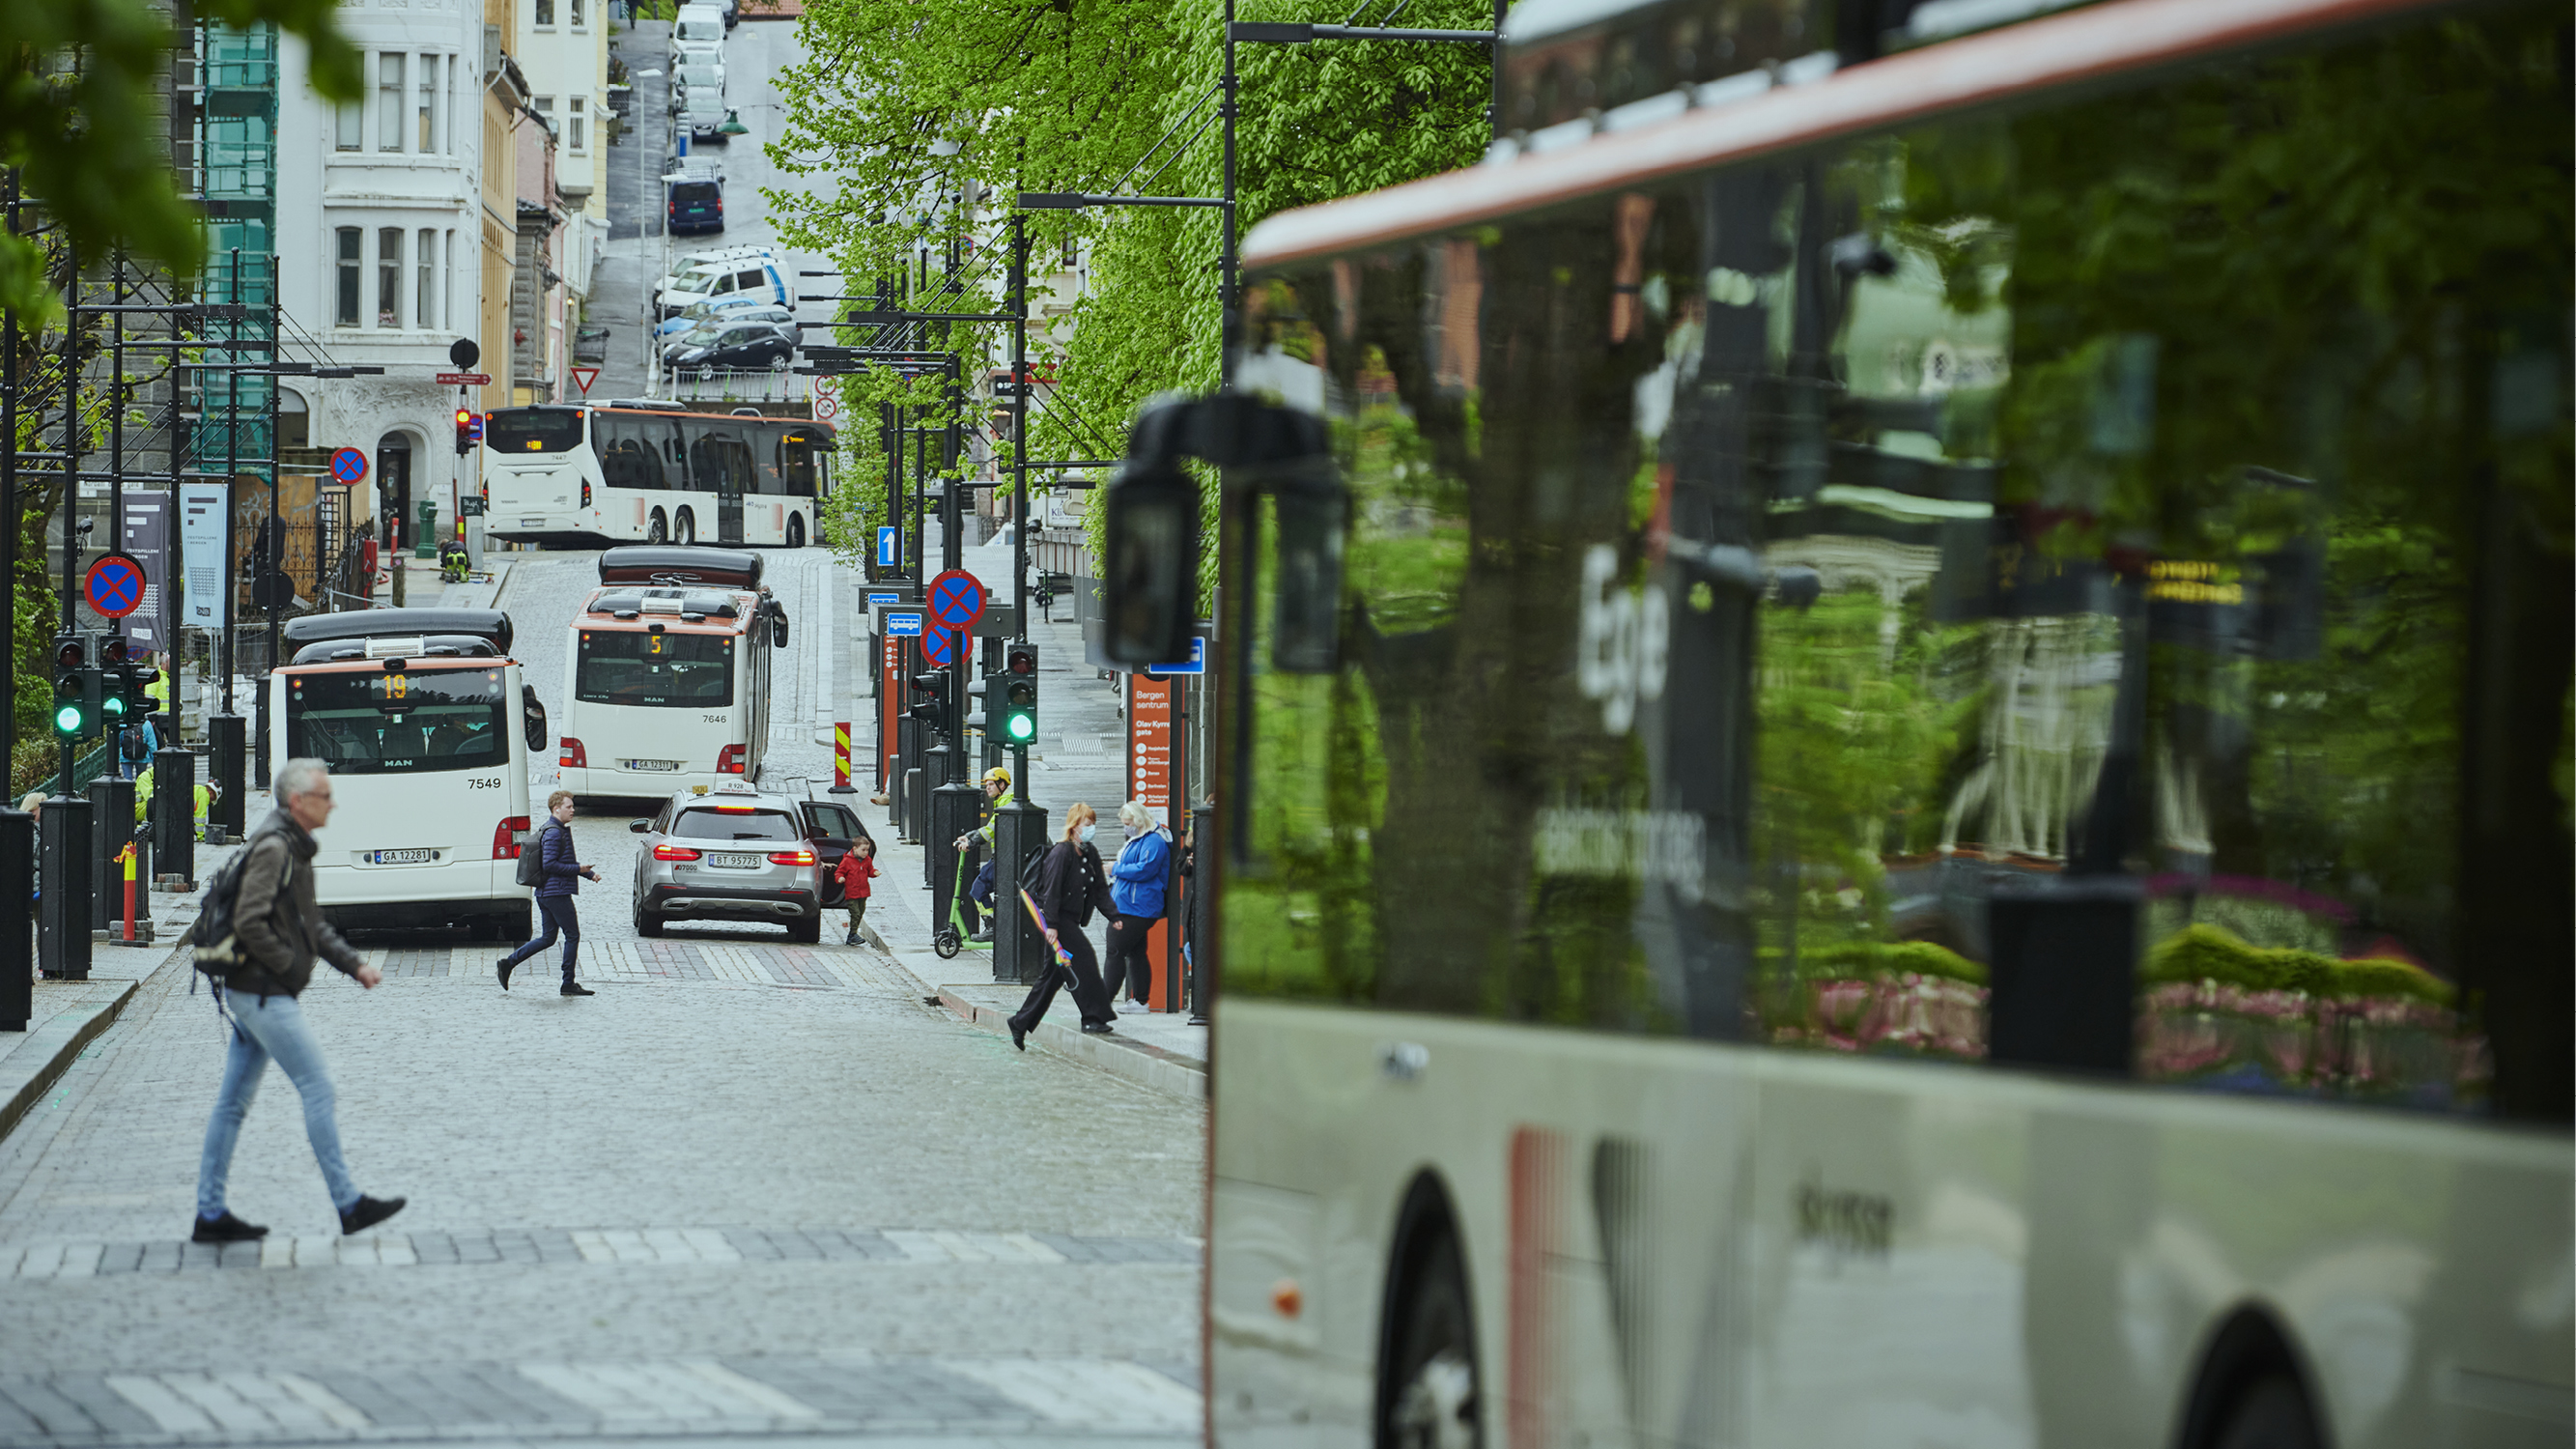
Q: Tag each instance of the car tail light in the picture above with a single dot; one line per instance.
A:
(673, 852)
(505, 837)
(573, 754)
(791, 857)
(729, 760)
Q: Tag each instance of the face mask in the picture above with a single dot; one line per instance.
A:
(1087, 833)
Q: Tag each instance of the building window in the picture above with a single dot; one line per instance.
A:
(545, 14)
(389, 277)
(575, 123)
(350, 116)
(348, 244)
(579, 8)
(447, 264)
(389, 114)
(424, 306)
(546, 113)
(428, 142)
(1072, 252)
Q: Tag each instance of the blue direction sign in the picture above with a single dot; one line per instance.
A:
(348, 465)
(114, 585)
(883, 596)
(889, 548)
(903, 625)
(938, 647)
(956, 599)
(1197, 662)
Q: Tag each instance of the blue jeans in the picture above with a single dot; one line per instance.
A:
(981, 892)
(266, 1027)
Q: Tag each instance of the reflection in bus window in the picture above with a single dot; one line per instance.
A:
(619, 666)
(1770, 594)
(628, 454)
(534, 430)
(378, 723)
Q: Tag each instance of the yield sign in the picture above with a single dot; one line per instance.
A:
(583, 377)
(956, 599)
(114, 585)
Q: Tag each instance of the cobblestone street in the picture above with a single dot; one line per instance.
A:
(750, 1187)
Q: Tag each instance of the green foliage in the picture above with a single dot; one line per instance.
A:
(1888, 959)
(901, 108)
(2203, 952)
(76, 116)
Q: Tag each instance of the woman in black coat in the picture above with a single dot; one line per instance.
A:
(1071, 885)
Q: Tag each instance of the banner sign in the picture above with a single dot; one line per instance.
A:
(145, 534)
(203, 546)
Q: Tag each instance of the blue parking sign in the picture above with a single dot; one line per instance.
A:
(889, 548)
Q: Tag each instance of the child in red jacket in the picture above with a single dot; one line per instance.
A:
(853, 873)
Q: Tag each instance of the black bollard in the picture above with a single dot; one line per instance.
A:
(174, 815)
(224, 768)
(17, 867)
(955, 809)
(111, 823)
(63, 915)
(1019, 950)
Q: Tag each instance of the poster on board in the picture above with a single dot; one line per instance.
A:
(145, 533)
(202, 547)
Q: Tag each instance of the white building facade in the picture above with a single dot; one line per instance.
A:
(378, 212)
(562, 48)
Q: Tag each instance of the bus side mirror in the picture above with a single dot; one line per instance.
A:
(1149, 581)
(532, 717)
(778, 631)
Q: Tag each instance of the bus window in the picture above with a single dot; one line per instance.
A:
(628, 457)
(663, 671)
(381, 723)
(719, 460)
(797, 465)
(534, 430)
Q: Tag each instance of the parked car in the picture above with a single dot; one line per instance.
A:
(704, 117)
(762, 278)
(713, 259)
(738, 308)
(696, 204)
(731, 854)
(700, 31)
(701, 80)
(742, 345)
(732, 13)
(831, 828)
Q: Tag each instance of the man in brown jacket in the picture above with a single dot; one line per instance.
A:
(281, 929)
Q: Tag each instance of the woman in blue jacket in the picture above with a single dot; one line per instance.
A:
(1136, 899)
(563, 877)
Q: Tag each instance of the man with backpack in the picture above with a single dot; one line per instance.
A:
(557, 877)
(136, 744)
(274, 929)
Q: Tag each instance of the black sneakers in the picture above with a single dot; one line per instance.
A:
(575, 988)
(368, 1212)
(227, 1229)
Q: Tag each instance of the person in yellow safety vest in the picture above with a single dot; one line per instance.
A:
(205, 801)
(159, 688)
(997, 791)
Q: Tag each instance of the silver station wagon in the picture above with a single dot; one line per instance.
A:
(729, 853)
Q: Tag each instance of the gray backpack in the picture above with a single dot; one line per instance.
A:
(532, 856)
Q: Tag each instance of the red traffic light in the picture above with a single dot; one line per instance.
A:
(1021, 659)
(111, 650)
(464, 416)
(68, 654)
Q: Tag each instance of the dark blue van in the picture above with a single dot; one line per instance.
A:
(696, 205)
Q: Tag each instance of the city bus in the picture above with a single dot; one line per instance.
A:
(1915, 789)
(427, 729)
(590, 476)
(667, 680)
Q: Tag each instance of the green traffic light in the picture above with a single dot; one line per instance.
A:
(113, 706)
(67, 719)
(1020, 727)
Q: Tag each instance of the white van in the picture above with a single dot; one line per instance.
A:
(700, 30)
(427, 729)
(763, 278)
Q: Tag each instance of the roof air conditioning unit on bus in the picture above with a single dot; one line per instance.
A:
(723, 568)
(409, 624)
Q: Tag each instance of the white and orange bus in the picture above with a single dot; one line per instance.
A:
(1929, 802)
(667, 680)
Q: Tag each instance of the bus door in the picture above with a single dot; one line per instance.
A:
(733, 479)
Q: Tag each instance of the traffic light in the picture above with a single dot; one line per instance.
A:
(933, 711)
(139, 679)
(72, 711)
(110, 676)
(1017, 723)
(465, 431)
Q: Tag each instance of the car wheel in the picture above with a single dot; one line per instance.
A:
(684, 529)
(659, 530)
(647, 923)
(796, 531)
(1431, 1400)
(808, 931)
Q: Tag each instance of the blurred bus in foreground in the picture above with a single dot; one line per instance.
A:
(1920, 794)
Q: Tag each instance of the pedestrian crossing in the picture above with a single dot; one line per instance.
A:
(663, 961)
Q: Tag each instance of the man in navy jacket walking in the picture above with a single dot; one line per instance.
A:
(563, 877)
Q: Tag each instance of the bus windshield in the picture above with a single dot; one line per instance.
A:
(656, 671)
(535, 430)
(382, 723)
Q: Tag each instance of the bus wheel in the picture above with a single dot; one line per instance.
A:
(1430, 1399)
(646, 923)
(796, 531)
(684, 529)
(659, 531)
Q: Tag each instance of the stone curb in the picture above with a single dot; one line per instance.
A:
(1147, 1066)
(48, 1052)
